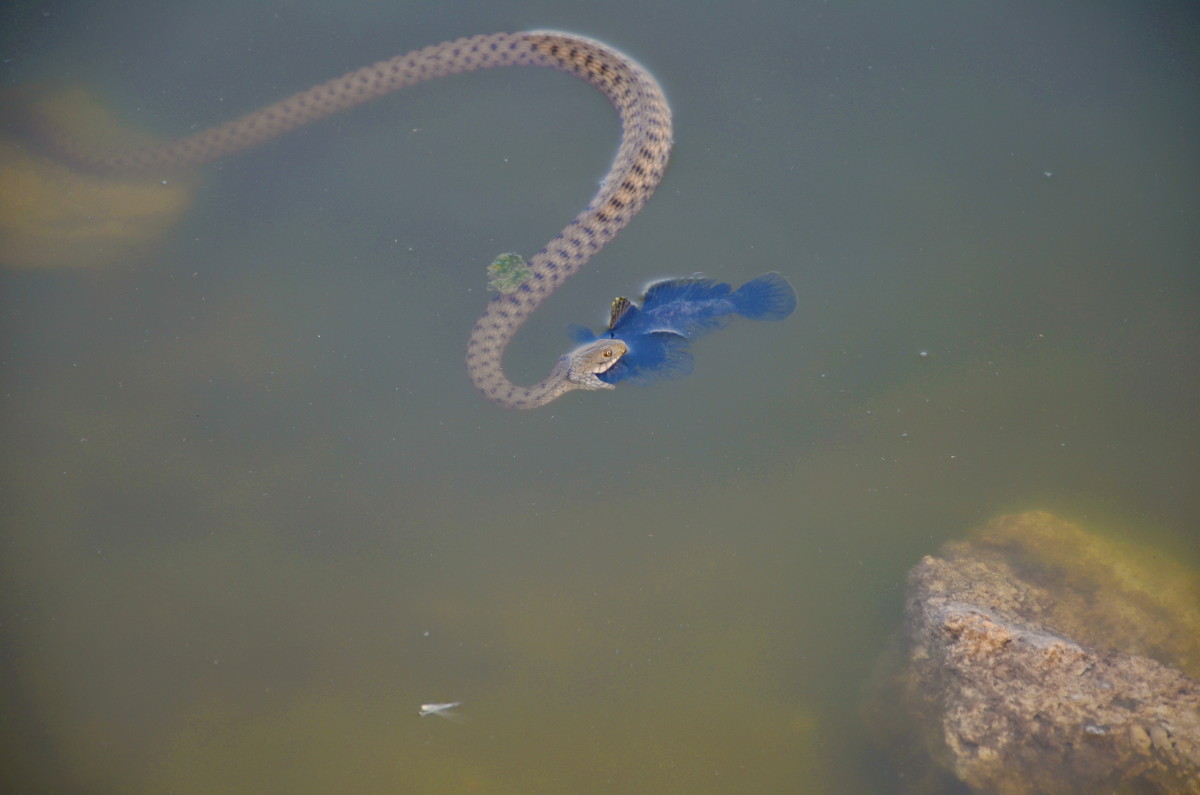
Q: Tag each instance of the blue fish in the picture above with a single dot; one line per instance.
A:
(676, 311)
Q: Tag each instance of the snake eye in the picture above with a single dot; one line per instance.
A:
(608, 352)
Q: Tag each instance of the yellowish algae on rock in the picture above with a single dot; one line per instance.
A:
(1108, 593)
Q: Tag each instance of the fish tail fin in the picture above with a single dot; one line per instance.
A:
(769, 297)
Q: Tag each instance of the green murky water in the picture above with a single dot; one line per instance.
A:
(253, 514)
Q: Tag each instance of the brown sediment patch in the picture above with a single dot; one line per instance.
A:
(52, 216)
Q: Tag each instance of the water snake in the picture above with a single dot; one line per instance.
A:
(636, 171)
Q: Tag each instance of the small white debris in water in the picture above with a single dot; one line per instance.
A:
(441, 710)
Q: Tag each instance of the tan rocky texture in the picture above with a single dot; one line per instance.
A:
(1040, 658)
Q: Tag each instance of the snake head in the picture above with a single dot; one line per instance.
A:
(583, 364)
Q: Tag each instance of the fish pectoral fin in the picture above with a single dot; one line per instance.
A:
(655, 357)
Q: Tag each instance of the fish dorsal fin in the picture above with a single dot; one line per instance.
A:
(621, 306)
(691, 288)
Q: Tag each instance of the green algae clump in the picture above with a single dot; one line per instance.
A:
(507, 273)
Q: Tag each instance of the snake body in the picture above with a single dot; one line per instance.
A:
(636, 171)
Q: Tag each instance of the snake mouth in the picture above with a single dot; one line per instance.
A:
(610, 356)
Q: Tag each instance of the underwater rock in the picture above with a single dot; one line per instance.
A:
(1038, 658)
